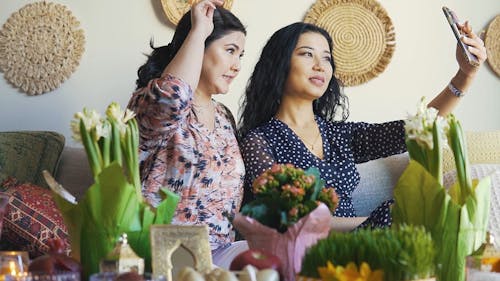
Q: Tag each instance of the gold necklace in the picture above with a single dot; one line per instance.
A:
(304, 140)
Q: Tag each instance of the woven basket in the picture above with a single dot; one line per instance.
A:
(175, 9)
(363, 37)
(492, 44)
(41, 45)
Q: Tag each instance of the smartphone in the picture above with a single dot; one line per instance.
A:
(453, 21)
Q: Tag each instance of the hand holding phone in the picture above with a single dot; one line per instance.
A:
(453, 21)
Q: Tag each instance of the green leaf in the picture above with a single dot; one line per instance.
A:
(459, 147)
(91, 150)
(416, 152)
(116, 152)
(318, 184)
(72, 215)
(418, 198)
(435, 156)
(166, 210)
(457, 229)
(123, 211)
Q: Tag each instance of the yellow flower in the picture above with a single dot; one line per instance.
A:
(349, 273)
(328, 273)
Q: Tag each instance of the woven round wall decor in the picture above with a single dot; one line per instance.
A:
(492, 44)
(40, 47)
(363, 37)
(175, 9)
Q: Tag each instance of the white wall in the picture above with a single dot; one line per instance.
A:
(117, 34)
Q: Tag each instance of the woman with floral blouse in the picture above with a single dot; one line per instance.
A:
(187, 140)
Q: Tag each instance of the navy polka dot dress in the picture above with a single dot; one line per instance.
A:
(344, 145)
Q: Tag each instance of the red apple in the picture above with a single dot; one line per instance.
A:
(260, 259)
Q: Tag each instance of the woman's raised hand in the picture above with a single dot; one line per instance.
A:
(202, 16)
(475, 46)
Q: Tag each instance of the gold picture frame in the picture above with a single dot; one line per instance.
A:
(166, 239)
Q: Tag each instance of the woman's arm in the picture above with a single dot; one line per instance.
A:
(258, 157)
(446, 101)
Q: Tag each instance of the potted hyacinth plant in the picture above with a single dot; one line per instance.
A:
(113, 205)
(457, 217)
(291, 211)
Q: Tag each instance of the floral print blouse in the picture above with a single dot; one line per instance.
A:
(203, 167)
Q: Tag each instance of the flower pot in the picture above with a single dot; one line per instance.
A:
(291, 245)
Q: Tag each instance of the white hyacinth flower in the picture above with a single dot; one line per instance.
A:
(419, 126)
(116, 115)
(129, 114)
(114, 111)
(91, 119)
(103, 130)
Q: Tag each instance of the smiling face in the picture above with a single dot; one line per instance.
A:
(221, 63)
(310, 67)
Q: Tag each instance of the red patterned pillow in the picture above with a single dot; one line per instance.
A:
(32, 218)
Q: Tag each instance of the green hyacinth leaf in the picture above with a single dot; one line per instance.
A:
(419, 198)
(166, 210)
(122, 211)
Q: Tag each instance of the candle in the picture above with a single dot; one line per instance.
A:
(12, 265)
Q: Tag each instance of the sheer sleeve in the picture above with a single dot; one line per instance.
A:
(160, 106)
(258, 157)
(373, 141)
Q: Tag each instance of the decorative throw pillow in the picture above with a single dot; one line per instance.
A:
(479, 171)
(378, 178)
(25, 154)
(32, 218)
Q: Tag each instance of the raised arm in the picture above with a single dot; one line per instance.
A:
(446, 101)
(186, 64)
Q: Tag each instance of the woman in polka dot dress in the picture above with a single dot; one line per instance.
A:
(288, 116)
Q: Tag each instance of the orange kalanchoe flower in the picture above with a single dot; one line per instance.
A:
(284, 194)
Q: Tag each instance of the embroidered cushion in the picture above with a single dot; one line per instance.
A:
(31, 219)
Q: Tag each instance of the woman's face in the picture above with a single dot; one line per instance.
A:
(221, 63)
(310, 67)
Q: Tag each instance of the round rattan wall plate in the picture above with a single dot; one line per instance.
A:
(40, 47)
(492, 44)
(175, 9)
(363, 37)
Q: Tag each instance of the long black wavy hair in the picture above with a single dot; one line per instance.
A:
(264, 90)
(224, 23)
